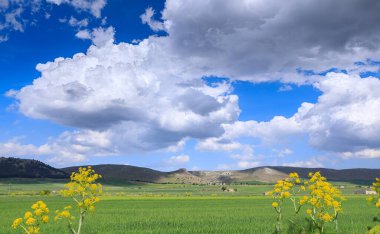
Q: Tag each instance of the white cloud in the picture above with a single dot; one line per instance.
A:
(67, 148)
(99, 36)
(4, 4)
(218, 144)
(345, 117)
(13, 20)
(73, 22)
(17, 15)
(365, 153)
(312, 163)
(178, 160)
(283, 152)
(3, 38)
(150, 96)
(132, 95)
(93, 6)
(268, 40)
(247, 164)
(147, 18)
(83, 34)
(285, 88)
(344, 120)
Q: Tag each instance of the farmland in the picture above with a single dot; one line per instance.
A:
(171, 208)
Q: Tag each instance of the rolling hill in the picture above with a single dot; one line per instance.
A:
(112, 173)
(27, 168)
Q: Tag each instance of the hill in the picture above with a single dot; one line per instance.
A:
(354, 174)
(27, 168)
(126, 173)
(112, 173)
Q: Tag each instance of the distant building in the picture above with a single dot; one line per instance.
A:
(365, 191)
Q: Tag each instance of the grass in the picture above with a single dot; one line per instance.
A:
(179, 215)
(172, 208)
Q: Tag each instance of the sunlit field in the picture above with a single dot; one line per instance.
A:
(173, 208)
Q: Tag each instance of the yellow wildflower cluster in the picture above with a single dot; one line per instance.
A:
(32, 220)
(284, 189)
(83, 187)
(375, 199)
(85, 192)
(64, 214)
(324, 200)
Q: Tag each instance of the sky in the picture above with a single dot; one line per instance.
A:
(202, 85)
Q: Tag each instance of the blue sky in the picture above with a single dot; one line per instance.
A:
(200, 85)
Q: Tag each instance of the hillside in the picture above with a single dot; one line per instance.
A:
(355, 174)
(270, 174)
(125, 173)
(27, 168)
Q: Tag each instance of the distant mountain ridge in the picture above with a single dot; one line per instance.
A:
(269, 174)
(26, 168)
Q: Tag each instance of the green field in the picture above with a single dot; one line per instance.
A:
(170, 208)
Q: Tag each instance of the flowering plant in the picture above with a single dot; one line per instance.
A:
(85, 193)
(323, 201)
(375, 200)
(32, 220)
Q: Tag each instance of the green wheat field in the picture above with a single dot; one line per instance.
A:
(172, 208)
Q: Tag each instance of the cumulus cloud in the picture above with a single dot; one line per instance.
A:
(124, 92)
(99, 36)
(268, 40)
(218, 144)
(147, 18)
(151, 96)
(345, 119)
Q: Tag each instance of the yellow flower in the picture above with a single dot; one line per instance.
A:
(326, 217)
(30, 221)
(28, 214)
(285, 194)
(45, 219)
(65, 214)
(16, 223)
(309, 211)
(38, 212)
(274, 204)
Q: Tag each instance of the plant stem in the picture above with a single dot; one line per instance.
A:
(80, 220)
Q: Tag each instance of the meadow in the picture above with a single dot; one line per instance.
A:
(172, 208)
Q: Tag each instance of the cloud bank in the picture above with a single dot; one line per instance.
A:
(151, 96)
